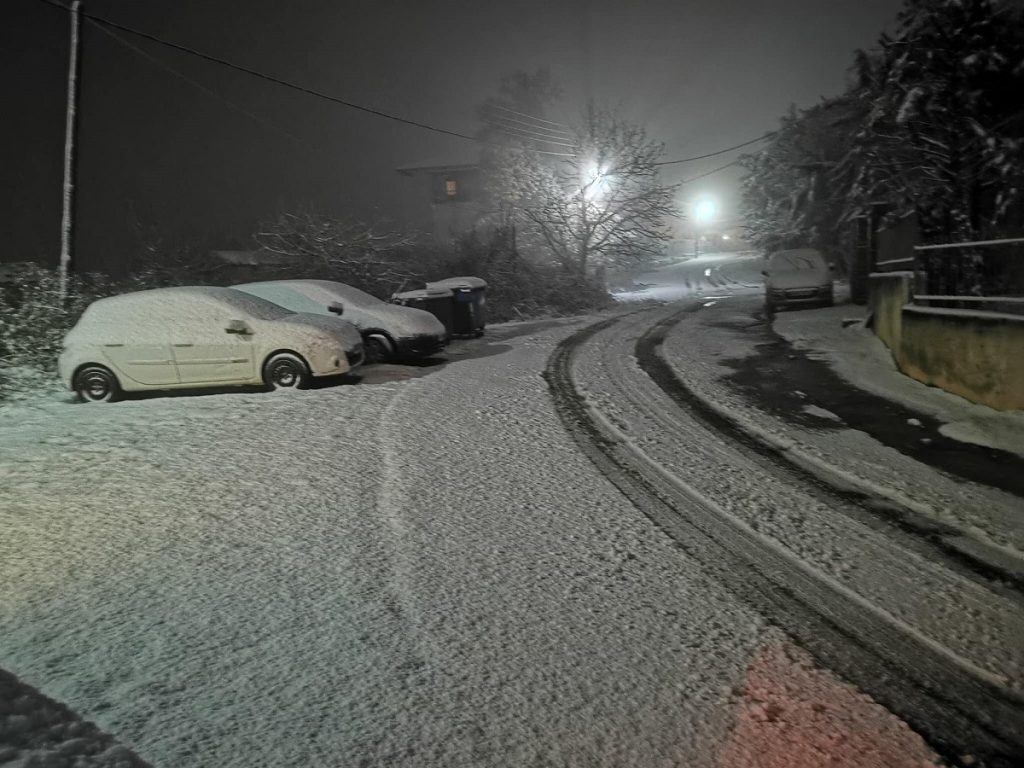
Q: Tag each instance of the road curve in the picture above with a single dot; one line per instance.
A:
(936, 647)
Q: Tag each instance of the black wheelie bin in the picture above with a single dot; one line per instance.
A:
(469, 304)
(436, 301)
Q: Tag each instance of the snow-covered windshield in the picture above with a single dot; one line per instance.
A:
(285, 295)
(338, 291)
(796, 262)
(254, 306)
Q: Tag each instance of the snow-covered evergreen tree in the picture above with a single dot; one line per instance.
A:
(944, 132)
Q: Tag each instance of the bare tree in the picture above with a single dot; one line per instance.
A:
(357, 252)
(604, 204)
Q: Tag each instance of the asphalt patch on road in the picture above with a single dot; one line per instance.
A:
(785, 382)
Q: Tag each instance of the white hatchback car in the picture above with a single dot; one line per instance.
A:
(798, 276)
(389, 331)
(176, 338)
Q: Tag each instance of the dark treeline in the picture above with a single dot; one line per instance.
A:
(931, 123)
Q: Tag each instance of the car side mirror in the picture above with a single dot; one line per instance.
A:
(336, 308)
(238, 326)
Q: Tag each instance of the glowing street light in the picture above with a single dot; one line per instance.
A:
(705, 210)
(595, 181)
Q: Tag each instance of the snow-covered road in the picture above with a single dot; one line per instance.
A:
(425, 573)
(417, 573)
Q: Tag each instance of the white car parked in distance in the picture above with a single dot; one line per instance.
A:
(176, 338)
(389, 331)
(797, 276)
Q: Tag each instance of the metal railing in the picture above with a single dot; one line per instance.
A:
(983, 275)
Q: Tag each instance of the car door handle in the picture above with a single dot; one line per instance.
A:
(113, 345)
(182, 345)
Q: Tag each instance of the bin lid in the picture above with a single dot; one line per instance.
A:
(459, 282)
(430, 292)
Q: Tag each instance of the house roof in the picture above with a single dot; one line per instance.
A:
(465, 160)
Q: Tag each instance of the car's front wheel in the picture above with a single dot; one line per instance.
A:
(96, 384)
(285, 371)
(378, 349)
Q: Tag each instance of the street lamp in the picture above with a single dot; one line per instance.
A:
(705, 210)
(595, 181)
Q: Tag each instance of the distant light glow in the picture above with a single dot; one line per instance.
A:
(594, 181)
(705, 209)
(725, 237)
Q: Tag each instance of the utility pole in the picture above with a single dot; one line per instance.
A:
(66, 225)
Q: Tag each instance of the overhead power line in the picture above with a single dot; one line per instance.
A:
(524, 134)
(522, 123)
(521, 126)
(531, 117)
(709, 173)
(196, 84)
(263, 75)
(107, 23)
(719, 152)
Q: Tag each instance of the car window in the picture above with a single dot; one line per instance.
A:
(285, 296)
(795, 262)
(340, 292)
(246, 304)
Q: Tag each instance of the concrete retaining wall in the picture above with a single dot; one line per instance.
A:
(977, 355)
(888, 293)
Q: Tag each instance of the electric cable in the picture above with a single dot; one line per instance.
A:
(719, 152)
(196, 84)
(263, 75)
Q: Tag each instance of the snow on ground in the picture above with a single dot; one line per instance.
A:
(415, 573)
(930, 600)
(681, 279)
(700, 348)
(860, 357)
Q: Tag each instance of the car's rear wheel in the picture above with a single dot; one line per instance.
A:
(286, 371)
(378, 349)
(96, 384)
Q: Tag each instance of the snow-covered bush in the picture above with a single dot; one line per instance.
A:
(519, 287)
(372, 256)
(33, 321)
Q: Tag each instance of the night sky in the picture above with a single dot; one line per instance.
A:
(157, 151)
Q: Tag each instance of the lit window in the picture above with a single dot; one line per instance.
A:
(451, 187)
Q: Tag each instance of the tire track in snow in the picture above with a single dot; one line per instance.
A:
(958, 710)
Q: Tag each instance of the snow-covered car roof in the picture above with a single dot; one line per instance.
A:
(365, 311)
(459, 282)
(179, 299)
(424, 293)
(318, 292)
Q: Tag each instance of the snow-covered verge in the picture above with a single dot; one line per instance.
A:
(423, 573)
(37, 732)
(860, 357)
(22, 383)
(700, 349)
